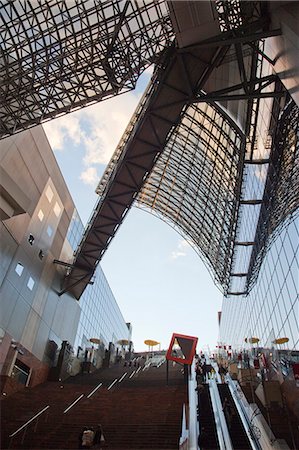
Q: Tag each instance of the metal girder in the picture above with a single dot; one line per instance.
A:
(195, 191)
(182, 154)
(60, 55)
(193, 174)
(257, 161)
(222, 98)
(249, 87)
(261, 82)
(221, 40)
(281, 194)
(242, 293)
(141, 147)
(251, 202)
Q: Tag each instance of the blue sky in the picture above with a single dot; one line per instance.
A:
(158, 280)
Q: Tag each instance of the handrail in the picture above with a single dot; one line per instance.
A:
(29, 421)
(193, 407)
(221, 426)
(183, 444)
(243, 414)
(255, 422)
(73, 404)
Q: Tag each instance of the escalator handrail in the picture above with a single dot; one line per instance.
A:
(243, 414)
(193, 407)
(221, 426)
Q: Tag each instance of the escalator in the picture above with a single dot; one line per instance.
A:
(206, 418)
(236, 429)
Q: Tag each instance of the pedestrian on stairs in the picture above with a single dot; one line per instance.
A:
(228, 412)
(222, 372)
(99, 439)
(203, 439)
(87, 437)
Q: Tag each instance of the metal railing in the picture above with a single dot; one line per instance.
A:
(221, 426)
(258, 432)
(245, 414)
(25, 426)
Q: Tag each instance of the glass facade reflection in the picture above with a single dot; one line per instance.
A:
(100, 315)
(37, 323)
(271, 310)
(263, 301)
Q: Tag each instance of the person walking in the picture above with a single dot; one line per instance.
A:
(222, 372)
(87, 437)
(204, 372)
(228, 412)
(99, 439)
(203, 439)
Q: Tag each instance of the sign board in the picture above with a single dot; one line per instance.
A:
(182, 348)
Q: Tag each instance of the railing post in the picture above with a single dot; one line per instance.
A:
(23, 437)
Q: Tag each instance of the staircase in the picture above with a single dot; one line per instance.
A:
(236, 430)
(139, 411)
(206, 417)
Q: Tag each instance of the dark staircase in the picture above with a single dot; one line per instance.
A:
(236, 429)
(141, 412)
(206, 418)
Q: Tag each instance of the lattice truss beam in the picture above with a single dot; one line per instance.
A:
(280, 203)
(60, 55)
(184, 153)
(195, 182)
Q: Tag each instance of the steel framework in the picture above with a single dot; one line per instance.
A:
(183, 154)
(281, 195)
(60, 55)
(195, 185)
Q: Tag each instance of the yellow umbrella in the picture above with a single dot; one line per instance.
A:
(123, 342)
(95, 340)
(151, 343)
(253, 340)
(281, 340)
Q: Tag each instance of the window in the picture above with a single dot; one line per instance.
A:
(40, 215)
(57, 209)
(19, 269)
(30, 283)
(49, 231)
(49, 194)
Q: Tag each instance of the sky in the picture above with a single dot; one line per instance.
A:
(159, 281)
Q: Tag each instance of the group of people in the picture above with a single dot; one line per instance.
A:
(203, 370)
(135, 362)
(206, 371)
(92, 438)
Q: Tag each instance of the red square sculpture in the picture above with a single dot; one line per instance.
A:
(182, 348)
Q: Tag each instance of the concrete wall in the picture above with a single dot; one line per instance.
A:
(31, 311)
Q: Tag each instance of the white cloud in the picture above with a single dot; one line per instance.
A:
(177, 254)
(181, 250)
(90, 176)
(107, 121)
(97, 129)
(63, 128)
(149, 70)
